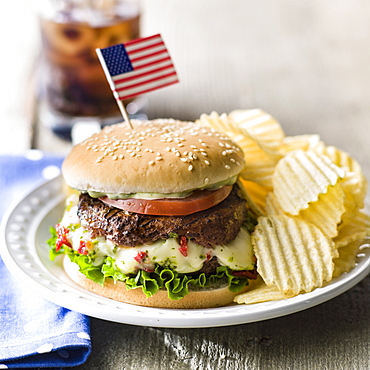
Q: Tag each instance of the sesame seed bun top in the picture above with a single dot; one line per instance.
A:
(160, 156)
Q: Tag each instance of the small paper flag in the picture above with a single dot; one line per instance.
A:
(137, 67)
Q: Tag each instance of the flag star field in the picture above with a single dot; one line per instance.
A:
(117, 60)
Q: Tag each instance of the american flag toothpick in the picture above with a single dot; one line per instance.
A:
(137, 67)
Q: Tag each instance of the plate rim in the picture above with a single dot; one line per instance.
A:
(73, 297)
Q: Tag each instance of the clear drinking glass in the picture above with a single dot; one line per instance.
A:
(74, 86)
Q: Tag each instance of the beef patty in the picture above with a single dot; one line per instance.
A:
(217, 225)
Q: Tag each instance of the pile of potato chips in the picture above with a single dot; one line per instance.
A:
(309, 199)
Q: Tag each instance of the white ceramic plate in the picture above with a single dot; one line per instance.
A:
(24, 232)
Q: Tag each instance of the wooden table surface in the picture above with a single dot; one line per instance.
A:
(307, 64)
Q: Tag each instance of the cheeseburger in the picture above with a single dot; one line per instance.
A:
(159, 218)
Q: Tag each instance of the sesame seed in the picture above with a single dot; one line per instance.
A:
(193, 146)
(232, 160)
(158, 158)
(121, 156)
(206, 180)
(227, 166)
(184, 159)
(221, 144)
(178, 154)
(204, 153)
(207, 162)
(180, 145)
(115, 157)
(190, 168)
(151, 163)
(224, 152)
(133, 154)
(168, 149)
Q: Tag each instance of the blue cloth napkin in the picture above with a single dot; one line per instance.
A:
(35, 333)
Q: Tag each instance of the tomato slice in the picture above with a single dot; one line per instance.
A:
(199, 200)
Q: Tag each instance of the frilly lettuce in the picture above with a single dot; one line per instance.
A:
(176, 284)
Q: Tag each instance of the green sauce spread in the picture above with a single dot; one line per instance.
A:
(218, 185)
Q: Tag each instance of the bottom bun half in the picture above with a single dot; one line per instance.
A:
(200, 298)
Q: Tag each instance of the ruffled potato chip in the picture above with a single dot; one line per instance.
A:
(221, 123)
(260, 126)
(260, 172)
(300, 142)
(300, 178)
(325, 213)
(257, 145)
(272, 205)
(261, 293)
(293, 255)
(255, 195)
(347, 258)
(357, 228)
(309, 199)
(354, 181)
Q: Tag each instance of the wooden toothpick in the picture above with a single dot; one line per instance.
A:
(124, 113)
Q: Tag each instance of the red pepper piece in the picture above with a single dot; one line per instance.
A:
(140, 257)
(83, 249)
(183, 246)
(62, 237)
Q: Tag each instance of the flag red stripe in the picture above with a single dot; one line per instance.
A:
(137, 41)
(139, 50)
(134, 60)
(152, 63)
(124, 79)
(146, 82)
(145, 91)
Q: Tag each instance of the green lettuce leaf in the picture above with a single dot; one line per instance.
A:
(176, 284)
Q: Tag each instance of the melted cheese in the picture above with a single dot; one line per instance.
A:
(238, 254)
